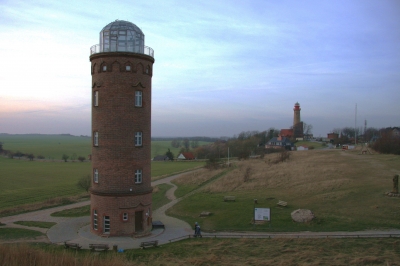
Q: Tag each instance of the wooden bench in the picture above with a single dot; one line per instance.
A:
(282, 203)
(72, 245)
(229, 198)
(98, 247)
(145, 244)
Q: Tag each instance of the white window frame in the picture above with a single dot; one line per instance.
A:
(138, 176)
(138, 98)
(96, 138)
(94, 220)
(107, 226)
(138, 138)
(96, 98)
(96, 175)
(125, 216)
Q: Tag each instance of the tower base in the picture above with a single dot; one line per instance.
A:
(121, 215)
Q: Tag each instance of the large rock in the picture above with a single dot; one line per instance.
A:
(302, 216)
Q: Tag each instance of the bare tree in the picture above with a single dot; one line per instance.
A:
(307, 128)
(85, 182)
(65, 157)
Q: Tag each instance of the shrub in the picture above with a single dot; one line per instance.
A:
(65, 157)
(388, 144)
(85, 182)
(40, 157)
(282, 156)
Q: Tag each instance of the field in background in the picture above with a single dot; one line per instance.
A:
(50, 146)
(344, 189)
(54, 146)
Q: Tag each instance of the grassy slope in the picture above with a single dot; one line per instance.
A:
(345, 191)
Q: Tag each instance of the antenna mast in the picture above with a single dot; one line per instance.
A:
(355, 127)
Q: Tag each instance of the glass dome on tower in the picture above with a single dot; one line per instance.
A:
(121, 36)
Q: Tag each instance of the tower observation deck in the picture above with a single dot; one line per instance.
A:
(121, 36)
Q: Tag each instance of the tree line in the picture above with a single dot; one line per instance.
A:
(18, 154)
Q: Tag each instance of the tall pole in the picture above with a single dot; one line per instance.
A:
(228, 156)
(355, 127)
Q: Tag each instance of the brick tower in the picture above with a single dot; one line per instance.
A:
(122, 69)
(297, 124)
(296, 117)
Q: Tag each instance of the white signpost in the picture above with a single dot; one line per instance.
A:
(262, 214)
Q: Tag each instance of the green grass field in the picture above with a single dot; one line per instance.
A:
(54, 146)
(25, 182)
(50, 146)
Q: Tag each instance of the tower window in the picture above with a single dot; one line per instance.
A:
(94, 219)
(96, 175)
(138, 98)
(106, 224)
(104, 68)
(138, 139)
(125, 216)
(128, 68)
(148, 70)
(96, 98)
(96, 138)
(138, 176)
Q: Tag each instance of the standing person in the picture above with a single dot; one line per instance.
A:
(197, 231)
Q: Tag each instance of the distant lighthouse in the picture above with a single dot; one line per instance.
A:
(296, 116)
(297, 124)
(122, 69)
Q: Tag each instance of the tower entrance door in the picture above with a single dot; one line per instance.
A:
(139, 221)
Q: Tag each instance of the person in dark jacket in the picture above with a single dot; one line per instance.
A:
(197, 231)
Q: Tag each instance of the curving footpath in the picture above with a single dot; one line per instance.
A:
(77, 230)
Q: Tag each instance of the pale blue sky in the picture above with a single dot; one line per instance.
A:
(221, 67)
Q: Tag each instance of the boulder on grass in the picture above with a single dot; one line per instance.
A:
(302, 216)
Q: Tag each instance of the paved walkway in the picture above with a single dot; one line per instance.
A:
(77, 230)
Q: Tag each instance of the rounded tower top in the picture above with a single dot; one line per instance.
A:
(296, 106)
(121, 36)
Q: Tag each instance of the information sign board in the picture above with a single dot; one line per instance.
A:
(262, 214)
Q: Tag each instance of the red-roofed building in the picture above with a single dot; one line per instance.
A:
(186, 156)
(287, 133)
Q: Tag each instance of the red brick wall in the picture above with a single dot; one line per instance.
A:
(116, 119)
(114, 207)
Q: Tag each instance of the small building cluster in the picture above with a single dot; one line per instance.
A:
(286, 136)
